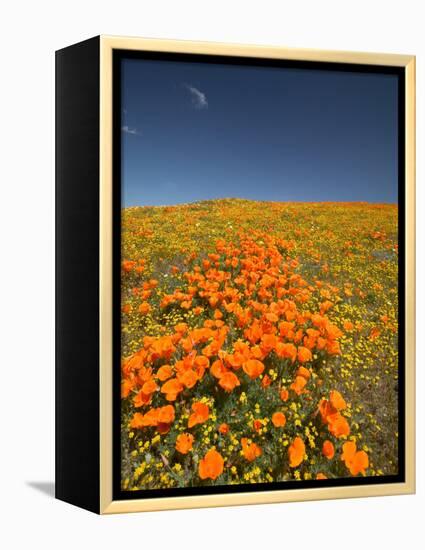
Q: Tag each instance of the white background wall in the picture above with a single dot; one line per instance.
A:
(30, 31)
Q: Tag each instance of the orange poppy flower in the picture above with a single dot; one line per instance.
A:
(349, 449)
(348, 325)
(268, 342)
(144, 374)
(355, 461)
(211, 466)
(251, 451)
(253, 368)
(137, 421)
(325, 410)
(184, 443)
(213, 300)
(218, 314)
(309, 342)
(333, 347)
(256, 353)
(359, 463)
(187, 344)
(128, 265)
(321, 343)
(149, 387)
(257, 425)
(200, 414)
(266, 381)
(218, 369)
(296, 452)
(374, 333)
(148, 341)
(142, 398)
(337, 400)
(321, 476)
(338, 425)
(224, 428)
(284, 394)
(253, 333)
(126, 387)
(151, 417)
(298, 385)
(290, 315)
(188, 378)
(133, 363)
(328, 449)
(199, 365)
(144, 308)
(164, 373)
(286, 351)
(304, 355)
(166, 414)
(172, 388)
(305, 373)
(181, 328)
(278, 419)
(202, 362)
(235, 360)
(229, 381)
(285, 328)
(272, 317)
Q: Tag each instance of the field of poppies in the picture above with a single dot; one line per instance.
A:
(259, 343)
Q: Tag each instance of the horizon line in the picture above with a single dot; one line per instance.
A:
(374, 203)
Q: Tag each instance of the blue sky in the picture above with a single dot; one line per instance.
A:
(192, 131)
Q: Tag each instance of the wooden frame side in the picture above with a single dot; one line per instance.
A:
(107, 504)
(410, 270)
(105, 275)
(247, 50)
(77, 242)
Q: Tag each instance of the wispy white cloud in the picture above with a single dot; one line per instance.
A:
(199, 99)
(129, 130)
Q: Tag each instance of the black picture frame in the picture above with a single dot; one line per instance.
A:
(118, 57)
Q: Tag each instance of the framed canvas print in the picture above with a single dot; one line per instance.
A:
(235, 274)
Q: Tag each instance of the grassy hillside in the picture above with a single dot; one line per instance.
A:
(259, 342)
